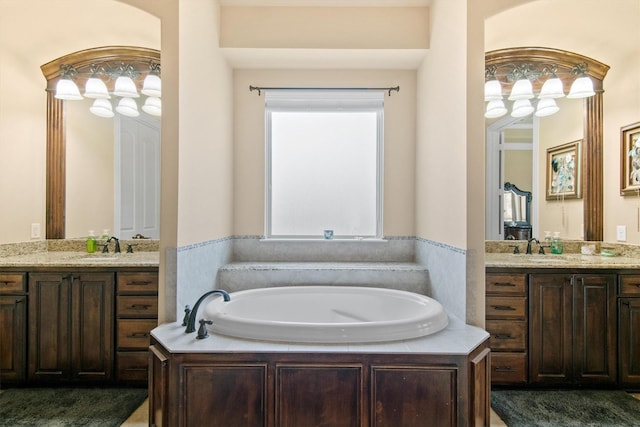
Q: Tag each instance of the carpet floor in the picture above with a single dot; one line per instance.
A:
(552, 408)
(68, 407)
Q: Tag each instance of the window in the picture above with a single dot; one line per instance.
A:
(324, 163)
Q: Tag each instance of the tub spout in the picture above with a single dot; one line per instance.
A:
(191, 324)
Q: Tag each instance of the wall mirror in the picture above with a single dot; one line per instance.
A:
(91, 193)
(539, 65)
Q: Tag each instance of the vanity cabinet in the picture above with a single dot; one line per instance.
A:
(137, 315)
(572, 328)
(506, 314)
(13, 326)
(629, 330)
(71, 326)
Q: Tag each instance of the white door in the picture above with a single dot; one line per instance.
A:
(137, 175)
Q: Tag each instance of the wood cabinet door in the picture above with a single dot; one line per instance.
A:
(13, 336)
(92, 326)
(49, 326)
(594, 329)
(550, 328)
(629, 341)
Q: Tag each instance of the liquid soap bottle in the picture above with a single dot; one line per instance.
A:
(91, 242)
(556, 244)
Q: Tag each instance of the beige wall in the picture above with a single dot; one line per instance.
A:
(608, 33)
(325, 27)
(58, 28)
(205, 199)
(399, 140)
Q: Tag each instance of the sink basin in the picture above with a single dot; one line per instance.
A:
(547, 260)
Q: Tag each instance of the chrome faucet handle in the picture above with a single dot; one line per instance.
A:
(202, 330)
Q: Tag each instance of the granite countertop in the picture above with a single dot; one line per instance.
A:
(560, 261)
(81, 259)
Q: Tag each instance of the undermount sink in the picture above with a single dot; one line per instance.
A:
(546, 259)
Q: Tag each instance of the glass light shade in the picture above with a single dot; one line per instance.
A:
(102, 107)
(128, 107)
(153, 106)
(495, 109)
(546, 107)
(125, 87)
(582, 87)
(67, 89)
(492, 90)
(552, 88)
(522, 108)
(522, 89)
(95, 88)
(152, 86)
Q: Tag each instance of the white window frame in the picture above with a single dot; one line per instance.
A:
(296, 100)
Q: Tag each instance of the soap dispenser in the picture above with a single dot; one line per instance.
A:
(556, 244)
(91, 242)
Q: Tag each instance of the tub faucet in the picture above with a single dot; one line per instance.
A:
(533, 239)
(191, 323)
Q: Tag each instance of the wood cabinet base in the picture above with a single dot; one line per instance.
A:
(329, 389)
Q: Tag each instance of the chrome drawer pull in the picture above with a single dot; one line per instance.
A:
(503, 307)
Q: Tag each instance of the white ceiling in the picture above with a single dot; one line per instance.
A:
(328, 3)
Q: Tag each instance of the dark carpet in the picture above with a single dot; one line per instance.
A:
(48, 407)
(602, 408)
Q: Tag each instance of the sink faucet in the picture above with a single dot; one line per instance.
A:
(191, 323)
(533, 239)
(116, 249)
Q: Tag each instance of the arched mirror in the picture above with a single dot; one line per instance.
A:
(107, 63)
(537, 65)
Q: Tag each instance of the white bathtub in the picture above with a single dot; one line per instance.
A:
(326, 314)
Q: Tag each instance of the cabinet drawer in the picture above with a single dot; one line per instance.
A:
(506, 307)
(507, 335)
(11, 283)
(132, 365)
(138, 283)
(505, 283)
(508, 368)
(137, 306)
(629, 285)
(135, 333)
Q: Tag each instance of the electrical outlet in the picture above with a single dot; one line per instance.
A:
(621, 233)
(35, 230)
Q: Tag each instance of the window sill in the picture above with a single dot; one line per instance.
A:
(321, 240)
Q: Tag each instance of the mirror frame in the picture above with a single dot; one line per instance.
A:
(56, 132)
(592, 182)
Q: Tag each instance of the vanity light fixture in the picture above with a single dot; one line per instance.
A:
(522, 76)
(582, 87)
(125, 79)
(66, 87)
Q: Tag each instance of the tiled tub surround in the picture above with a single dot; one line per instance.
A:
(243, 262)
